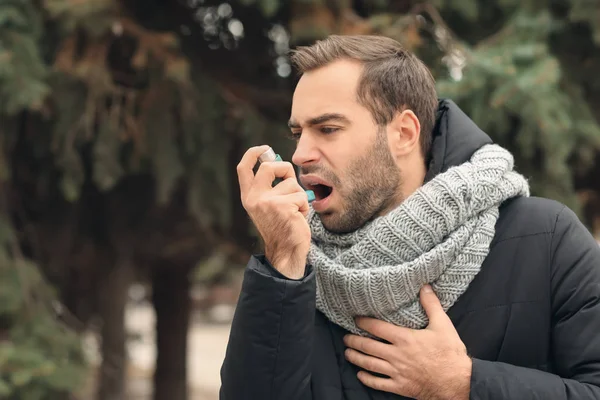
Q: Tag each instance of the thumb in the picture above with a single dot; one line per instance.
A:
(433, 308)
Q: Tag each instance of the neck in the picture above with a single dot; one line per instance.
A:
(409, 184)
(413, 179)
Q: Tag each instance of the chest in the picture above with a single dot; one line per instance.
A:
(503, 316)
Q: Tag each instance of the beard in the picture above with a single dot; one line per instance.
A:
(372, 186)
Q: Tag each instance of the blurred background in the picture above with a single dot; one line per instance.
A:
(123, 240)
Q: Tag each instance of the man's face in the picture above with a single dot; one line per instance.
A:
(343, 155)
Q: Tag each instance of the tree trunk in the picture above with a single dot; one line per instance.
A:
(172, 304)
(111, 307)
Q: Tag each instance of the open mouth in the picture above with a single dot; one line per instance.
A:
(321, 191)
(320, 187)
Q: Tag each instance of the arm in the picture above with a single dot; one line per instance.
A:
(269, 351)
(575, 282)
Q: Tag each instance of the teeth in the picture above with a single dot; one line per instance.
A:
(314, 183)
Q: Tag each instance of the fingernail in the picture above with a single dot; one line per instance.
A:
(427, 289)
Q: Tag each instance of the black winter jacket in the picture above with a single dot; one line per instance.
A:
(530, 319)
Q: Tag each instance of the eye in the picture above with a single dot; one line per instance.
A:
(294, 135)
(328, 129)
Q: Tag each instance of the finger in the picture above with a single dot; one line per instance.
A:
(245, 168)
(288, 186)
(298, 200)
(291, 186)
(382, 329)
(269, 171)
(436, 314)
(377, 383)
(368, 346)
(369, 363)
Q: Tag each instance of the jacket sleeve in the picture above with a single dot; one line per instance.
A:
(268, 356)
(575, 286)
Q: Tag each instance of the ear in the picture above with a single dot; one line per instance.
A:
(405, 133)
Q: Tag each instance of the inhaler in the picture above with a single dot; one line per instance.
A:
(270, 155)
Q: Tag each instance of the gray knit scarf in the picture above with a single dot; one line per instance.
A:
(440, 234)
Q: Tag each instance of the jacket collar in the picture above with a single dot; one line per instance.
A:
(455, 138)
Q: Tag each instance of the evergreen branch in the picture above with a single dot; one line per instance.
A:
(70, 320)
(18, 264)
(495, 38)
(13, 241)
(442, 33)
(434, 14)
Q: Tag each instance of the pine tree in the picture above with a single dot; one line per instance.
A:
(97, 98)
(517, 89)
(40, 356)
(22, 71)
(105, 123)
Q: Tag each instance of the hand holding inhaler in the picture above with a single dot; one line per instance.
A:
(279, 211)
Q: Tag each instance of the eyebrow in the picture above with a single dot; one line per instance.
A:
(320, 120)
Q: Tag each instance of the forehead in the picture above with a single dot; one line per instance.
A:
(329, 89)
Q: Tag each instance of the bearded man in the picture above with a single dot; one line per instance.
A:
(423, 269)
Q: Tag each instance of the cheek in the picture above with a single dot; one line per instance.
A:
(352, 177)
(345, 155)
(344, 152)
(337, 161)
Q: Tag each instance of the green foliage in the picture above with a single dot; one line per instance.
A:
(95, 16)
(515, 89)
(469, 9)
(22, 71)
(131, 130)
(175, 126)
(161, 143)
(268, 7)
(207, 146)
(40, 358)
(587, 11)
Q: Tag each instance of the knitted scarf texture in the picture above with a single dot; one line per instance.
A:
(440, 234)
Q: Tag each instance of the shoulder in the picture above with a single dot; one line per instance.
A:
(553, 222)
(528, 216)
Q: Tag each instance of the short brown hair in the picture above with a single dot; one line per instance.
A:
(393, 79)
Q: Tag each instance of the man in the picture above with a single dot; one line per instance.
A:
(423, 269)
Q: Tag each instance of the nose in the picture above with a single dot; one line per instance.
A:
(306, 151)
